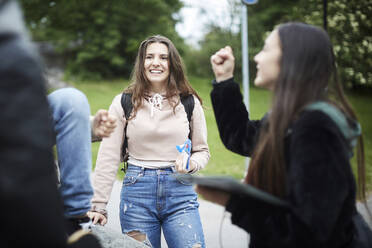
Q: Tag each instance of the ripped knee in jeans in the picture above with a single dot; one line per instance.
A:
(140, 237)
(137, 235)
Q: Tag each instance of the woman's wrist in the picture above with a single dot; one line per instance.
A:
(222, 78)
(193, 167)
(99, 210)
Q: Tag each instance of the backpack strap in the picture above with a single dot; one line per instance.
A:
(188, 103)
(350, 129)
(126, 104)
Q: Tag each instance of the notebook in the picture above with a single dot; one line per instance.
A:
(233, 186)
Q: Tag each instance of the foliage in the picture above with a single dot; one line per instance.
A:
(198, 60)
(349, 25)
(262, 17)
(101, 38)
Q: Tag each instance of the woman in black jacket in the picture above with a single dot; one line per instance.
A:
(298, 153)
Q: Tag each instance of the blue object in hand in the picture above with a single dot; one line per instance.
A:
(185, 147)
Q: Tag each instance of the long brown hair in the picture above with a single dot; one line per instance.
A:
(307, 73)
(177, 82)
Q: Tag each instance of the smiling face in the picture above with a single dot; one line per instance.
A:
(156, 64)
(268, 62)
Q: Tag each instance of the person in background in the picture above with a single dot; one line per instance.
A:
(152, 198)
(32, 212)
(74, 129)
(297, 153)
(31, 209)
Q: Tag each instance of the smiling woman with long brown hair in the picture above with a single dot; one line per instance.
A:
(299, 151)
(152, 198)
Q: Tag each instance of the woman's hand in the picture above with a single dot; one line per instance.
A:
(223, 63)
(181, 162)
(213, 195)
(97, 218)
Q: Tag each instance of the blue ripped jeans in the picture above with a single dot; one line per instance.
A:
(153, 199)
(70, 111)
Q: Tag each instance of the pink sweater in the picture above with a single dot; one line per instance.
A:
(150, 139)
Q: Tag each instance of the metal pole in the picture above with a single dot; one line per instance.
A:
(245, 63)
(325, 24)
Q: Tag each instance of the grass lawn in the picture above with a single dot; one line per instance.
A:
(100, 95)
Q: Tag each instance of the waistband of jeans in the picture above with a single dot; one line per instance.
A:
(170, 169)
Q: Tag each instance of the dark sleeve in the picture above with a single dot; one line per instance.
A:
(319, 185)
(31, 211)
(238, 133)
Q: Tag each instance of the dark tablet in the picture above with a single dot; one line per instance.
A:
(233, 186)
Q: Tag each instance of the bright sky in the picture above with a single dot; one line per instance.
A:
(197, 13)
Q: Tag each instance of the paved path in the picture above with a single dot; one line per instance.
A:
(211, 215)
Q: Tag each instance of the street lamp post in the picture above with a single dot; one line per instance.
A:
(245, 57)
(325, 24)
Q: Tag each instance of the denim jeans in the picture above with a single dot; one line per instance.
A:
(152, 199)
(70, 111)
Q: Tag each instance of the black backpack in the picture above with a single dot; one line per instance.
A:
(126, 103)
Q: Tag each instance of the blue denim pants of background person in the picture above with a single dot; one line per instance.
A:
(153, 199)
(70, 110)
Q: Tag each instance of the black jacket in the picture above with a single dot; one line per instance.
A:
(31, 211)
(320, 184)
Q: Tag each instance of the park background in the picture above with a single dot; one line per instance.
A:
(94, 44)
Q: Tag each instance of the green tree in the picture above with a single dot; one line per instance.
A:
(101, 38)
(349, 25)
(262, 19)
(198, 60)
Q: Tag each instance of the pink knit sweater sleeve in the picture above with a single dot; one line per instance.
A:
(108, 159)
(200, 151)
